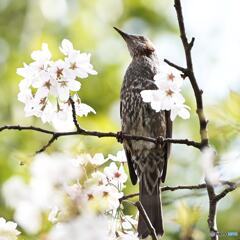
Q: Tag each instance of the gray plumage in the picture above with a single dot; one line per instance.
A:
(147, 162)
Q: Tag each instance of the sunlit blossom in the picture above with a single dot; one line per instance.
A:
(47, 85)
(168, 95)
(8, 230)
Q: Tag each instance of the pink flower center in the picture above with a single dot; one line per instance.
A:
(171, 77)
(169, 92)
(117, 174)
(59, 72)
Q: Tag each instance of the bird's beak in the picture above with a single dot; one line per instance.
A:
(124, 35)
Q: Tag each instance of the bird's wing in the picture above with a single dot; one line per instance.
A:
(167, 145)
(131, 169)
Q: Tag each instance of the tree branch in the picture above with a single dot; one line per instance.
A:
(190, 73)
(80, 131)
(74, 115)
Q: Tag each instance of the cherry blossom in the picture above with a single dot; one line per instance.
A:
(120, 157)
(8, 230)
(87, 227)
(59, 188)
(47, 85)
(168, 95)
(98, 159)
(82, 109)
(115, 175)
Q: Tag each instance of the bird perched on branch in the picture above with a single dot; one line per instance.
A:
(146, 161)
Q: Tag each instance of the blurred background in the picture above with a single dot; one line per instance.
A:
(25, 24)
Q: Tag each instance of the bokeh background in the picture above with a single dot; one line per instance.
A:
(25, 24)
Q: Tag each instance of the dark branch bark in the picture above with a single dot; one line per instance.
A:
(188, 72)
(80, 131)
(74, 115)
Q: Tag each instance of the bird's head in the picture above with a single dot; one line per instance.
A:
(137, 45)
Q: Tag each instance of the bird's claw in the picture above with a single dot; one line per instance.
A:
(119, 137)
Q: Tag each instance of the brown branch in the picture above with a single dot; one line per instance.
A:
(231, 187)
(80, 131)
(74, 115)
(52, 139)
(25, 128)
(212, 213)
(148, 223)
(168, 188)
(188, 187)
(188, 72)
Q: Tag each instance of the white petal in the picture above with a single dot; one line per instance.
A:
(184, 113)
(83, 109)
(66, 47)
(63, 93)
(147, 95)
(74, 85)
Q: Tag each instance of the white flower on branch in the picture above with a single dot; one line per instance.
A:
(98, 159)
(52, 217)
(168, 95)
(8, 230)
(82, 109)
(85, 227)
(115, 175)
(120, 157)
(47, 84)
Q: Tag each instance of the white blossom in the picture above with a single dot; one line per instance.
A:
(52, 217)
(82, 109)
(29, 217)
(82, 160)
(8, 230)
(168, 95)
(179, 110)
(55, 169)
(85, 227)
(47, 85)
(120, 157)
(115, 175)
(14, 191)
(98, 159)
(42, 55)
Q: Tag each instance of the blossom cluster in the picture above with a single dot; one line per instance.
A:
(80, 195)
(8, 230)
(168, 95)
(47, 84)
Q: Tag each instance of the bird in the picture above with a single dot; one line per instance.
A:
(147, 161)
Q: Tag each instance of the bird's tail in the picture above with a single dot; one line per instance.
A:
(153, 207)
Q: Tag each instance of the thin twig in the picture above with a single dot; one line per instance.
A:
(25, 128)
(74, 115)
(53, 139)
(230, 188)
(189, 187)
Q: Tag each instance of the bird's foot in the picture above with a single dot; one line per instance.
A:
(119, 137)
